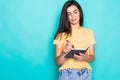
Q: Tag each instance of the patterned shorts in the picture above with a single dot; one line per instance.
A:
(75, 74)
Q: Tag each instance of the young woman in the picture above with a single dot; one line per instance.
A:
(71, 34)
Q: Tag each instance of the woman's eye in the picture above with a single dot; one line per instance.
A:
(69, 14)
(75, 12)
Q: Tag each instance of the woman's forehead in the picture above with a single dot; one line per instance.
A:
(72, 8)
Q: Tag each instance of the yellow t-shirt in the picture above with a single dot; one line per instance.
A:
(80, 38)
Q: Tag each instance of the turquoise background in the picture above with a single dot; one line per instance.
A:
(27, 28)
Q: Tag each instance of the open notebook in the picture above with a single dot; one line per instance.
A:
(76, 51)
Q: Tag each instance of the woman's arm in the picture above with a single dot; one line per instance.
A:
(59, 55)
(60, 52)
(91, 56)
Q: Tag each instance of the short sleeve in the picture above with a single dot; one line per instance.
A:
(58, 39)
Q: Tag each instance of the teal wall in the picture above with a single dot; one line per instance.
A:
(27, 28)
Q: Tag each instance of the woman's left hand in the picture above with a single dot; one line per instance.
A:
(86, 57)
(79, 56)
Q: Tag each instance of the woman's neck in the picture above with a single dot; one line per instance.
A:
(77, 26)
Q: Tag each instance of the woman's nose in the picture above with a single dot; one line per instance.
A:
(72, 15)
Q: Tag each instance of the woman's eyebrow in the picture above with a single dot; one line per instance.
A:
(76, 10)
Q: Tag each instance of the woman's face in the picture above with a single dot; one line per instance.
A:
(73, 14)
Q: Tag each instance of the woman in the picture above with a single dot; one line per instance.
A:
(71, 34)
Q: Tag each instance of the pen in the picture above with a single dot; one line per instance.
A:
(71, 43)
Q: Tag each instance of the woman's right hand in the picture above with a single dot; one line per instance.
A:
(68, 47)
(60, 53)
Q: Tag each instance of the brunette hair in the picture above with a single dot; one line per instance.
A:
(64, 25)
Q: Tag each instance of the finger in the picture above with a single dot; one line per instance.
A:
(66, 51)
(69, 43)
(69, 47)
(76, 56)
(79, 58)
(81, 54)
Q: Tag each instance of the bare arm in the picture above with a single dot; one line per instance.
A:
(91, 56)
(59, 55)
(60, 52)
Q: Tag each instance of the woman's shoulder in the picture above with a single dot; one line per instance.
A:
(61, 35)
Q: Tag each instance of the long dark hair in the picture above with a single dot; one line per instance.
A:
(64, 25)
